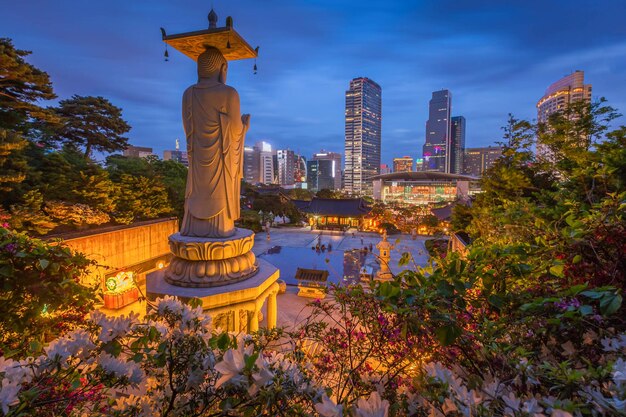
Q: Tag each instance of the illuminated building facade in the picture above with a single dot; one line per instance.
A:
(403, 164)
(324, 171)
(258, 164)
(286, 166)
(362, 135)
(557, 97)
(423, 188)
(137, 151)
(457, 144)
(436, 150)
(478, 160)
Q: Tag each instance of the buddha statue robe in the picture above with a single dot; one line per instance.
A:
(215, 139)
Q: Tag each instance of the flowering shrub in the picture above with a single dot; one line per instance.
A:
(40, 292)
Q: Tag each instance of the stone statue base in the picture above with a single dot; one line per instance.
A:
(233, 307)
(211, 262)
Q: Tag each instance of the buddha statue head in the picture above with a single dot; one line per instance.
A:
(212, 65)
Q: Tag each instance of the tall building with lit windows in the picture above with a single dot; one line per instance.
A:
(363, 135)
(457, 144)
(558, 96)
(436, 150)
(403, 164)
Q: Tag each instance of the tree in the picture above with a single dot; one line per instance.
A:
(327, 193)
(93, 123)
(30, 216)
(21, 86)
(140, 198)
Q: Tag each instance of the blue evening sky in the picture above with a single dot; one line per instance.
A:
(496, 57)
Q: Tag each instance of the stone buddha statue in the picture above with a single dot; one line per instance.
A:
(215, 132)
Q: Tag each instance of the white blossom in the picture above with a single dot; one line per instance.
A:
(512, 403)
(232, 364)
(8, 395)
(76, 343)
(112, 327)
(120, 368)
(374, 406)
(532, 407)
(327, 408)
(619, 372)
(261, 377)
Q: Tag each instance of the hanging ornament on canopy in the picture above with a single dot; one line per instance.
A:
(256, 52)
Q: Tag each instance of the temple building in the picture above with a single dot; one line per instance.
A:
(423, 188)
(337, 214)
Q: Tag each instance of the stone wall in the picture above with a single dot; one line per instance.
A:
(140, 247)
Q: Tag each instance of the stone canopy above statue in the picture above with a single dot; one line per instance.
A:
(226, 39)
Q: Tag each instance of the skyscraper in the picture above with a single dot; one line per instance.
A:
(557, 97)
(334, 170)
(363, 135)
(561, 93)
(286, 166)
(258, 165)
(457, 144)
(404, 164)
(438, 132)
(477, 160)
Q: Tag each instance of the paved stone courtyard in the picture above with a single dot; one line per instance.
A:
(292, 310)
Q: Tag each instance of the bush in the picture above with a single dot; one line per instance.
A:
(41, 292)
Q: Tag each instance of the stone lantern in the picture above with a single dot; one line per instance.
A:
(384, 255)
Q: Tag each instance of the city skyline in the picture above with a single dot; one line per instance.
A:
(494, 62)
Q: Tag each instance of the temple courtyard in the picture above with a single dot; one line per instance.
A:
(343, 256)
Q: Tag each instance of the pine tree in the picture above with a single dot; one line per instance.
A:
(93, 123)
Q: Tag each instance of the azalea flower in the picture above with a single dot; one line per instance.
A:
(121, 369)
(327, 408)
(8, 395)
(261, 377)
(232, 364)
(512, 403)
(532, 407)
(374, 406)
(619, 372)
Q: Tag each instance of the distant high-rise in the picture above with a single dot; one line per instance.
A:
(251, 161)
(137, 151)
(286, 166)
(558, 96)
(331, 177)
(457, 144)
(438, 132)
(477, 160)
(363, 135)
(403, 164)
(258, 166)
(385, 169)
(176, 155)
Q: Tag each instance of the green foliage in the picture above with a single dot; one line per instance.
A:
(40, 292)
(93, 123)
(140, 197)
(30, 216)
(21, 87)
(326, 193)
